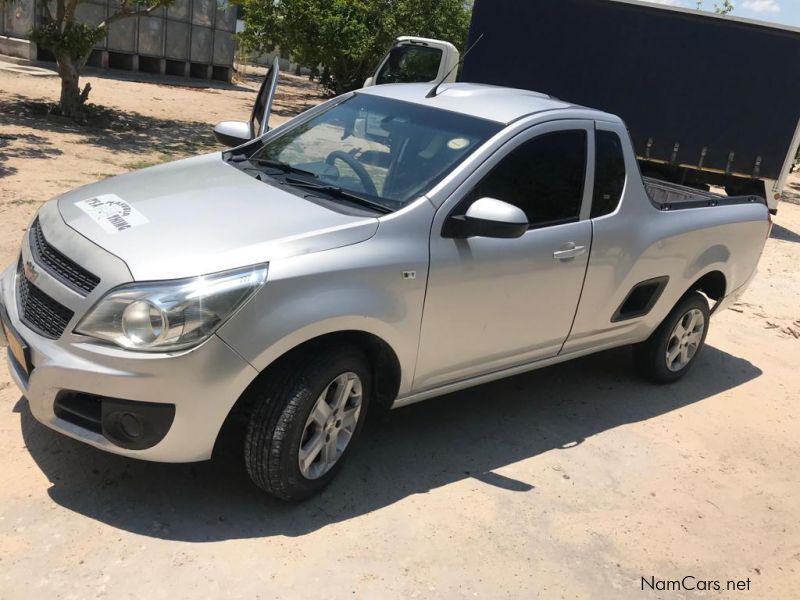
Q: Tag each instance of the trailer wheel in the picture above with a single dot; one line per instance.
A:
(746, 188)
(672, 349)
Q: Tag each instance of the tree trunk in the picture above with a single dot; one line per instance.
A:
(71, 99)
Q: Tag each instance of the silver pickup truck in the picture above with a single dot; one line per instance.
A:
(390, 245)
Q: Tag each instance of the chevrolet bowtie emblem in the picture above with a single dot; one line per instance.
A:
(30, 271)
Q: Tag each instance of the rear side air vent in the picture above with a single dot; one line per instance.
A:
(640, 299)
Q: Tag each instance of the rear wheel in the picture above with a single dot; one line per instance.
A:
(668, 354)
(305, 423)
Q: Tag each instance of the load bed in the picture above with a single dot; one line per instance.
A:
(672, 196)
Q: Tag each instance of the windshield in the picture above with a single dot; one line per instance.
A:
(387, 151)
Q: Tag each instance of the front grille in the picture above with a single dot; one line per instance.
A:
(59, 266)
(38, 310)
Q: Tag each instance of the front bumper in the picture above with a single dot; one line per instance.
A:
(203, 384)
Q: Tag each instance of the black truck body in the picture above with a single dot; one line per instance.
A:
(707, 99)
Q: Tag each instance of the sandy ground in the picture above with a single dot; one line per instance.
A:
(571, 482)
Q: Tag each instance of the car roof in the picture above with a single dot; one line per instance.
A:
(495, 103)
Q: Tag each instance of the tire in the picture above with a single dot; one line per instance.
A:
(746, 188)
(651, 358)
(282, 423)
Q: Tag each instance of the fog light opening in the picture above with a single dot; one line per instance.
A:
(130, 425)
(136, 425)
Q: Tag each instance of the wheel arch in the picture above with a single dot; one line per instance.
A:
(714, 284)
(384, 364)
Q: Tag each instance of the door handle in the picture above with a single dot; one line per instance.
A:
(568, 250)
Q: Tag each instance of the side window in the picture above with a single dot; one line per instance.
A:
(544, 177)
(609, 173)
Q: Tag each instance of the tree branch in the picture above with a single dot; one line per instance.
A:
(59, 12)
(124, 13)
(69, 13)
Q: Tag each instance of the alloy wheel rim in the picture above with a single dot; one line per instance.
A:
(330, 425)
(685, 340)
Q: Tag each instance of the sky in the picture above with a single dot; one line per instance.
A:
(786, 12)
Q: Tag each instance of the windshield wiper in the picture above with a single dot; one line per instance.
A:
(339, 193)
(281, 166)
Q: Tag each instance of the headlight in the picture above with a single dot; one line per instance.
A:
(170, 315)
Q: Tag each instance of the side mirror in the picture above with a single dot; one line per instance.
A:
(369, 81)
(487, 217)
(233, 133)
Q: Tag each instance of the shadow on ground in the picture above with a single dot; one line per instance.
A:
(792, 193)
(292, 96)
(125, 131)
(411, 451)
(784, 234)
(116, 130)
(23, 146)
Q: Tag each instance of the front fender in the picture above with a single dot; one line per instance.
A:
(356, 288)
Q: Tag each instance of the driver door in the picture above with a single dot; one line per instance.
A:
(493, 304)
(236, 133)
(259, 117)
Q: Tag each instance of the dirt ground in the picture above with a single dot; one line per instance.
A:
(571, 482)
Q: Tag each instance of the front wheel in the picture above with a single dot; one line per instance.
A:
(306, 422)
(668, 354)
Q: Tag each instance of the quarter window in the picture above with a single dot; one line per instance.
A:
(609, 173)
(544, 177)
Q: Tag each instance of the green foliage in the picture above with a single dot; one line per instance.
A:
(263, 19)
(342, 40)
(75, 39)
(725, 8)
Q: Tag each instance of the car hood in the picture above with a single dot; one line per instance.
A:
(202, 215)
